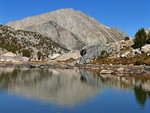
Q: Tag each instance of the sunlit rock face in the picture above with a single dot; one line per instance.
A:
(69, 28)
(147, 30)
(66, 87)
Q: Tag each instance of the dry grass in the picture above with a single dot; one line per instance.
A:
(137, 60)
(67, 61)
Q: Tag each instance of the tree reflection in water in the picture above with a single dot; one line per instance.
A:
(141, 95)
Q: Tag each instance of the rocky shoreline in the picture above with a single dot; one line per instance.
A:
(120, 70)
(104, 69)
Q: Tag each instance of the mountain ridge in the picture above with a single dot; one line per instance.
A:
(87, 29)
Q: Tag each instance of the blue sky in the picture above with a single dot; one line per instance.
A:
(127, 15)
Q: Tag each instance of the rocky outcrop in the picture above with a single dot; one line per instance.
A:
(13, 59)
(28, 44)
(6, 56)
(99, 51)
(120, 49)
(74, 54)
(146, 48)
(148, 30)
(54, 56)
(71, 29)
(9, 54)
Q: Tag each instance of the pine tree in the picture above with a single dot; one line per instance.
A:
(140, 38)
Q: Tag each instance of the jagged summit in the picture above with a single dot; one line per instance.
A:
(73, 28)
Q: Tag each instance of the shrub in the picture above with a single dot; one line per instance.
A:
(104, 53)
(140, 38)
(126, 38)
(9, 45)
(40, 55)
(26, 53)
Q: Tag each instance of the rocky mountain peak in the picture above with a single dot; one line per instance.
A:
(71, 29)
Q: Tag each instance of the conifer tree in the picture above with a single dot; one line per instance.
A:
(140, 38)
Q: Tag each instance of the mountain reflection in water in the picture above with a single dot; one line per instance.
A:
(67, 87)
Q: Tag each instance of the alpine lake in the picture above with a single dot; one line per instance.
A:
(71, 91)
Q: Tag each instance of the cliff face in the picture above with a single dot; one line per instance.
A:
(69, 28)
(58, 34)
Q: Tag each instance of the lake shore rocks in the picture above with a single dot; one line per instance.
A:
(104, 69)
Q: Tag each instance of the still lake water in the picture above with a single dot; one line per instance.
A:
(71, 91)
